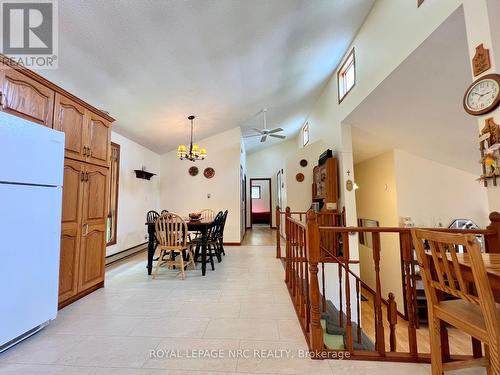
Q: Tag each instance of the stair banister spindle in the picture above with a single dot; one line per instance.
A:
(278, 232)
(348, 325)
(341, 305)
(313, 251)
(287, 247)
(407, 252)
(392, 318)
(380, 337)
(358, 309)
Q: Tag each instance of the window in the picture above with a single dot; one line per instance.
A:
(256, 192)
(347, 76)
(113, 195)
(305, 134)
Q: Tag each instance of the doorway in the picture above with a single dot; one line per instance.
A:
(260, 202)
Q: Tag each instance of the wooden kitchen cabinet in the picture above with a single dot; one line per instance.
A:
(71, 118)
(24, 97)
(99, 140)
(25, 94)
(71, 228)
(92, 256)
(83, 235)
(88, 135)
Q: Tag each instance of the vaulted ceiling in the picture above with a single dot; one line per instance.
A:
(418, 108)
(151, 63)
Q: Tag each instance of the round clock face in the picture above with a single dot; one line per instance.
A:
(483, 96)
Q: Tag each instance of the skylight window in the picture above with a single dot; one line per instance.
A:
(347, 76)
(305, 134)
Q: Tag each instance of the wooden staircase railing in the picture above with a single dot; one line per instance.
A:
(305, 253)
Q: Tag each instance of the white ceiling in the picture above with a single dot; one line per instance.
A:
(152, 63)
(418, 108)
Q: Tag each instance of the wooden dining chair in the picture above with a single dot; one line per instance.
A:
(151, 216)
(172, 237)
(476, 314)
(207, 213)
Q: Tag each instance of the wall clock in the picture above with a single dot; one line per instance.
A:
(483, 95)
(209, 172)
(193, 171)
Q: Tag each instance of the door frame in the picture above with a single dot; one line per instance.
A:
(270, 200)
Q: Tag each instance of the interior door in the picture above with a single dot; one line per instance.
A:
(70, 118)
(71, 228)
(99, 140)
(25, 97)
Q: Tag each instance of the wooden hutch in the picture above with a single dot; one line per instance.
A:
(325, 195)
(87, 130)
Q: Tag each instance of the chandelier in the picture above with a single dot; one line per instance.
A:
(194, 153)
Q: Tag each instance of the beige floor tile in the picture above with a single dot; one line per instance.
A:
(209, 310)
(171, 326)
(18, 369)
(253, 329)
(108, 351)
(195, 354)
(94, 325)
(281, 358)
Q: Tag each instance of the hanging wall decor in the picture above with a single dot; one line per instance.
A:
(193, 171)
(299, 177)
(209, 172)
(481, 61)
(489, 145)
(303, 163)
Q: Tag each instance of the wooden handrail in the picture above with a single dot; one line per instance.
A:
(307, 245)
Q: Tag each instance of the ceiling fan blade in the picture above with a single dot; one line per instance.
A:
(277, 136)
(258, 130)
(263, 139)
(252, 135)
(277, 130)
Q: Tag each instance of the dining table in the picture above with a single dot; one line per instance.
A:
(201, 226)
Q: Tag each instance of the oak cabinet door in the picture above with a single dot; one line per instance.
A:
(27, 98)
(70, 229)
(71, 118)
(99, 140)
(95, 195)
(92, 256)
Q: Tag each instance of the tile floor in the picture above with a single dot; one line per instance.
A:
(140, 326)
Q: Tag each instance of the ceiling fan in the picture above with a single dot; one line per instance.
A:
(264, 133)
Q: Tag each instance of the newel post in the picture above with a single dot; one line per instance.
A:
(288, 247)
(493, 240)
(313, 254)
(278, 235)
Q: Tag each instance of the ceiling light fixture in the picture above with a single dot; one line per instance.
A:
(194, 153)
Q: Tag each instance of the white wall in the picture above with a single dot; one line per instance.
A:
(135, 196)
(182, 193)
(430, 192)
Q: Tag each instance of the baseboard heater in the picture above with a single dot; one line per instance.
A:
(110, 259)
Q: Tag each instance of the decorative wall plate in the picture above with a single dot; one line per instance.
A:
(193, 171)
(209, 172)
(299, 177)
(303, 163)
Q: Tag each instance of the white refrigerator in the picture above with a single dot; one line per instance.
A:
(31, 179)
